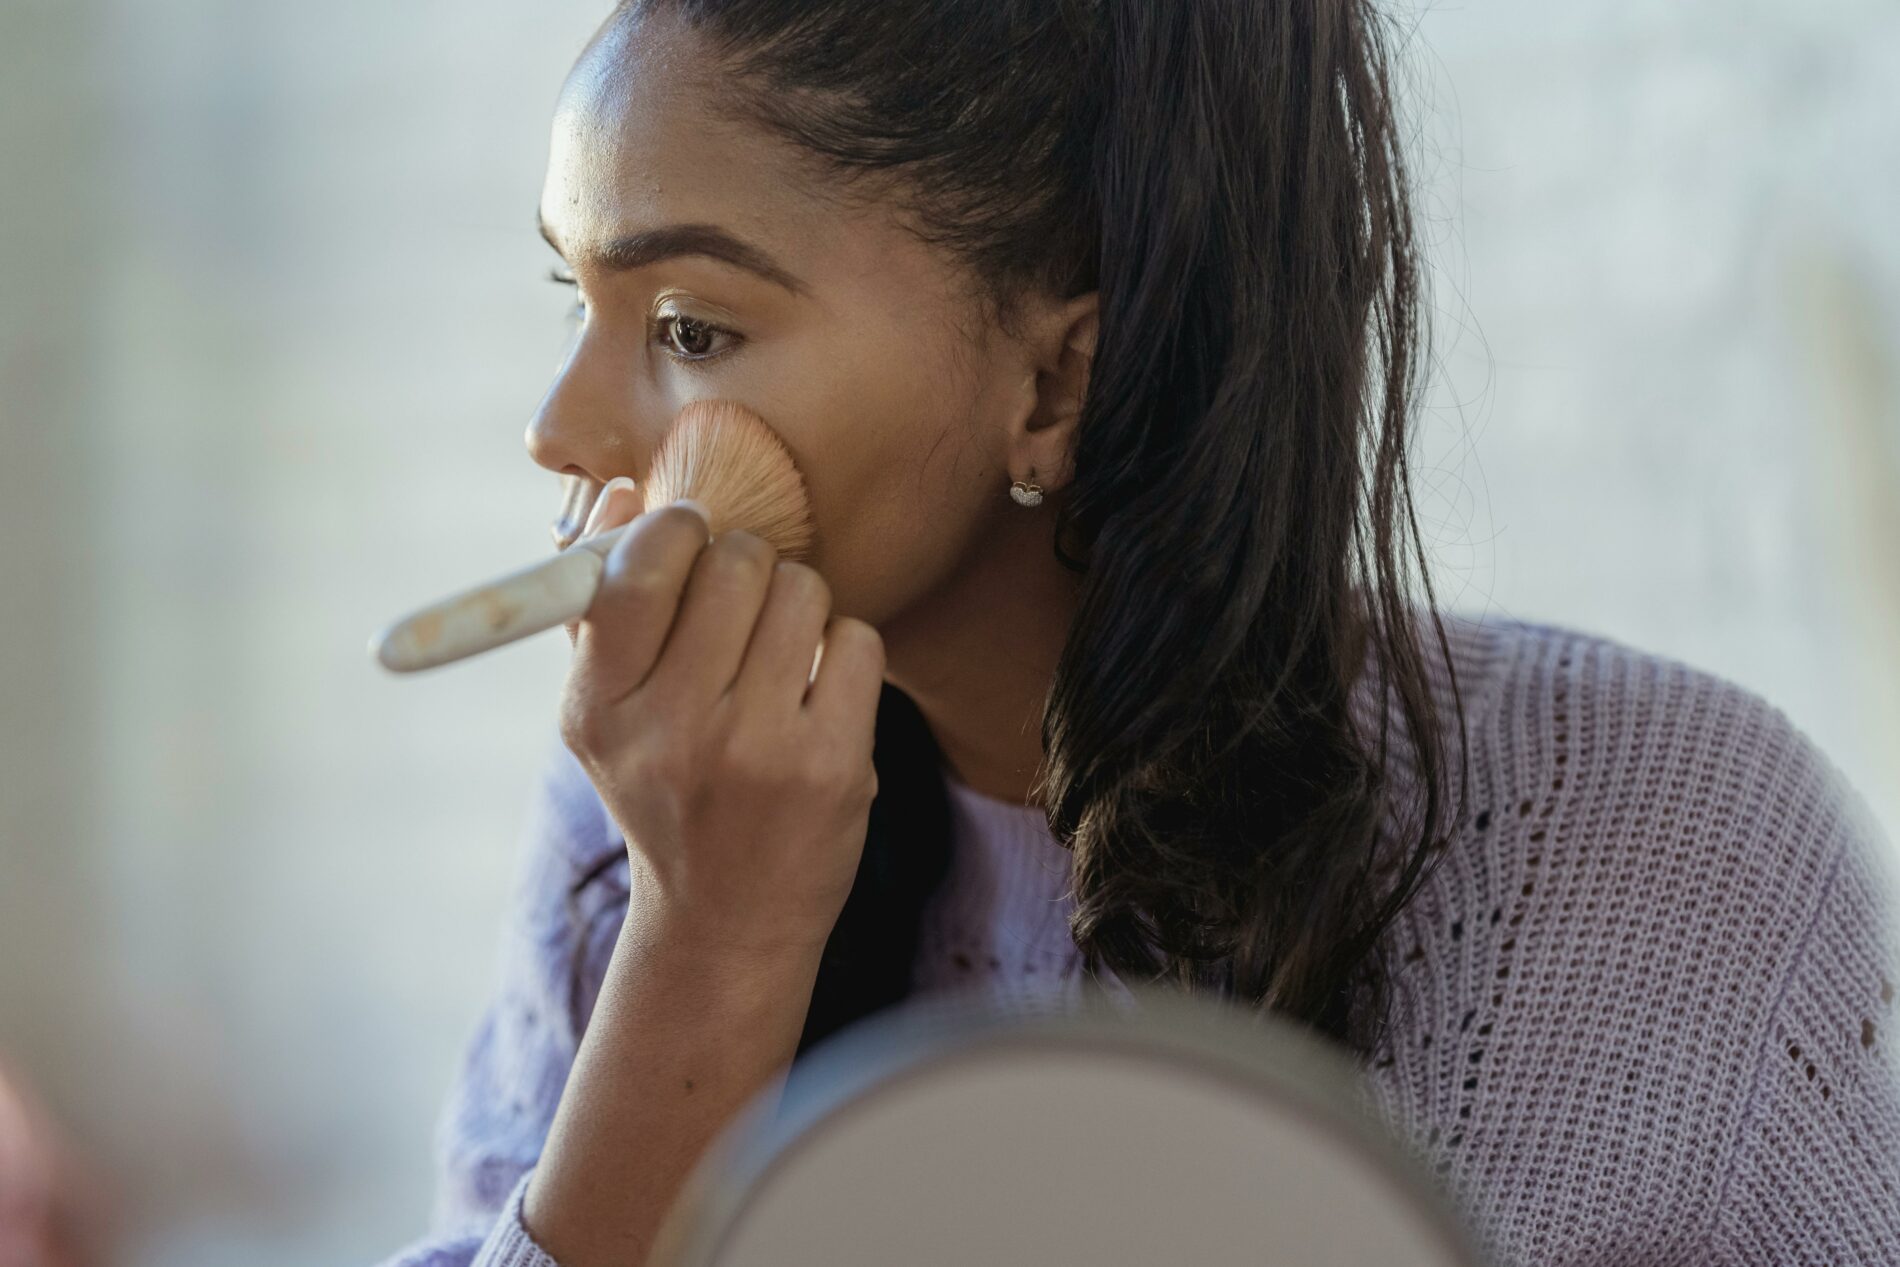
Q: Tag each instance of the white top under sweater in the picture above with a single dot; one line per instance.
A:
(998, 925)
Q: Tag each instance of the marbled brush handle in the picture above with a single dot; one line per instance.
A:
(539, 596)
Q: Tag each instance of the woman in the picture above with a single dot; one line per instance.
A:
(1607, 933)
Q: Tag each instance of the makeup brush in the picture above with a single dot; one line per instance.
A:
(718, 452)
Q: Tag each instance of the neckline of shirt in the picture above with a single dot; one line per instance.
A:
(992, 804)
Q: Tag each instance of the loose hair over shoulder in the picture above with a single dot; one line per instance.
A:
(1228, 175)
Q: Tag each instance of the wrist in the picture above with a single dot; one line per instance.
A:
(670, 924)
(739, 973)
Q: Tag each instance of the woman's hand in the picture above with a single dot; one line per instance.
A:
(743, 783)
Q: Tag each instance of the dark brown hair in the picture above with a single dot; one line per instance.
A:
(1227, 173)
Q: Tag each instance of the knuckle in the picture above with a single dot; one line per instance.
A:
(860, 634)
(581, 726)
(816, 762)
(823, 777)
(687, 517)
(654, 753)
(755, 757)
(637, 574)
(833, 764)
(802, 583)
(741, 552)
(640, 580)
(666, 765)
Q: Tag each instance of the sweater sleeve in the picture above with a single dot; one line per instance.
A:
(564, 916)
(1815, 1177)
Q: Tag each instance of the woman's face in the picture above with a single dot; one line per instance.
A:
(739, 278)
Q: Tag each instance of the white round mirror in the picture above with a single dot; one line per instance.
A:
(1123, 1133)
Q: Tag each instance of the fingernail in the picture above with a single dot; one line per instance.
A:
(703, 512)
(604, 502)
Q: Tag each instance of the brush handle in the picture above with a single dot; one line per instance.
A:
(539, 596)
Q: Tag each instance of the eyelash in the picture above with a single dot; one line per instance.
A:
(580, 307)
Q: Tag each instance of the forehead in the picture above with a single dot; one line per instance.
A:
(639, 140)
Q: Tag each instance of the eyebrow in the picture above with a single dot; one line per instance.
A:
(653, 245)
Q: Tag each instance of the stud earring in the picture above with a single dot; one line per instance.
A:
(1026, 494)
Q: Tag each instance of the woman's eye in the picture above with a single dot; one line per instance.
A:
(690, 339)
(579, 310)
(687, 338)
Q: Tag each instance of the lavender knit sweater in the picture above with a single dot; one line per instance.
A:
(1643, 1006)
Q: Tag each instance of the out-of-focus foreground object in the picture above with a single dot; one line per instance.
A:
(946, 1132)
(54, 1211)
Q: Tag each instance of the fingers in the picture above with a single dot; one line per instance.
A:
(619, 501)
(620, 639)
(714, 622)
(687, 619)
(844, 695)
(778, 662)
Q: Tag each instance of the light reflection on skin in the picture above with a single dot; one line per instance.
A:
(907, 414)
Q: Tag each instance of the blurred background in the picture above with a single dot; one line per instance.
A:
(273, 320)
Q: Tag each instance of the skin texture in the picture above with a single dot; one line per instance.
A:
(741, 778)
(907, 412)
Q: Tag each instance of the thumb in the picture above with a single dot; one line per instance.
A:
(620, 502)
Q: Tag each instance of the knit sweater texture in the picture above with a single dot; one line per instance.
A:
(1643, 1006)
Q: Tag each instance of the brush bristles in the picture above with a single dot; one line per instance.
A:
(724, 456)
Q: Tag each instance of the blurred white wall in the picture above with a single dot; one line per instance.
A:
(1667, 304)
(1668, 298)
(275, 323)
(272, 323)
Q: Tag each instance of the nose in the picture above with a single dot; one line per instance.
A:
(556, 438)
(581, 431)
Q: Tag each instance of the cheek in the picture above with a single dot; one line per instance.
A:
(895, 483)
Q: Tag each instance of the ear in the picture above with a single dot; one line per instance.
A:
(1062, 350)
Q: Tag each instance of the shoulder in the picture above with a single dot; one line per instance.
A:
(1661, 767)
(1615, 785)
(1581, 730)
(1644, 855)
(1648, 794)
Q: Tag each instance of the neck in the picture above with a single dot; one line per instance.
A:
(979, 654)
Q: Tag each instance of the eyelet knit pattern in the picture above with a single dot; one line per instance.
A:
(1643, 1005)
(998, 925)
